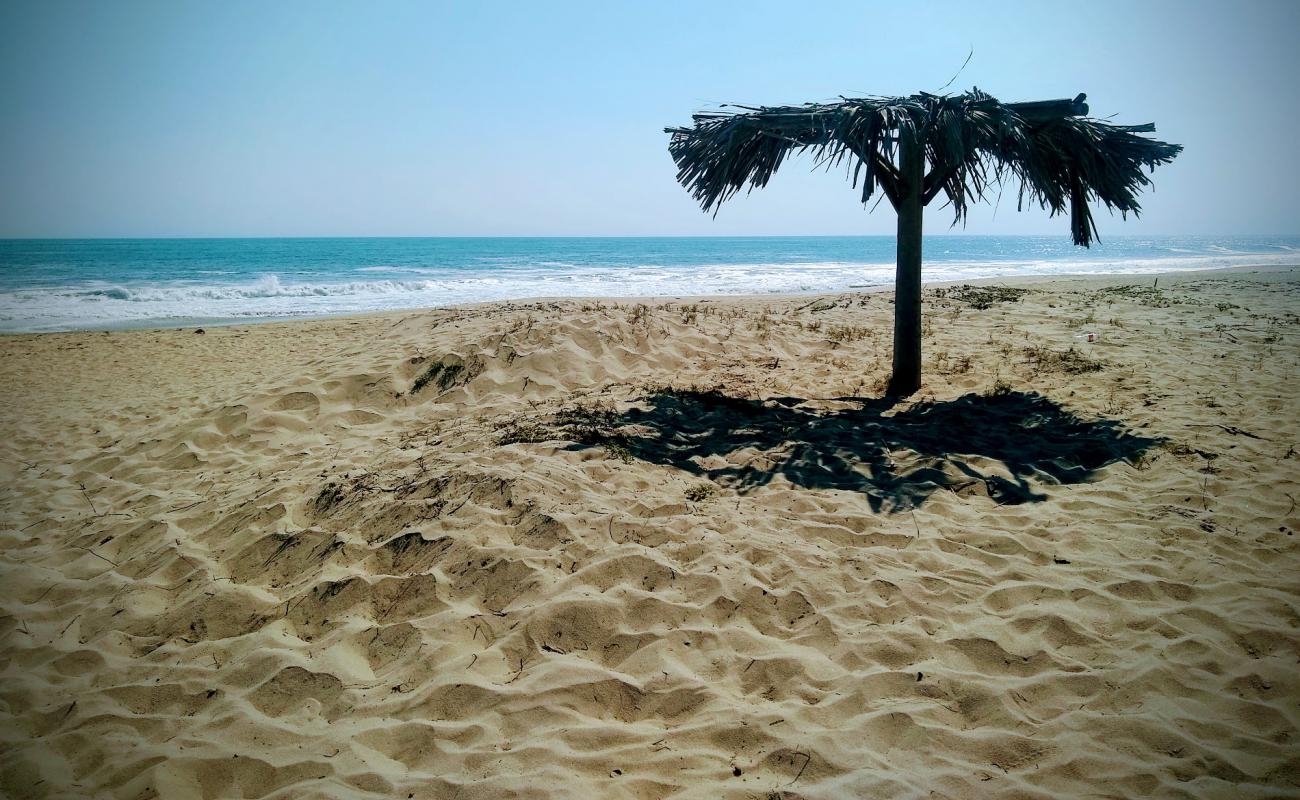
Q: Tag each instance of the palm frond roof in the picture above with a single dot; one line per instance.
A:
(1062, 160)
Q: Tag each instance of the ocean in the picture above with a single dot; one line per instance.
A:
(70, 284)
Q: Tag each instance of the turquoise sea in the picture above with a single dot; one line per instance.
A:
(63, 284)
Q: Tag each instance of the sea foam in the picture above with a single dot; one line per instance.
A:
(211, 284)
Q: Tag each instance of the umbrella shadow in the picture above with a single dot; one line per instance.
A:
(1009, 446)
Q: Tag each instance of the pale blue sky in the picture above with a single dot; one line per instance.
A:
(493, 118)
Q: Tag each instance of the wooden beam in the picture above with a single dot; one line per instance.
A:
(1052, 109)
(889, 180)
(886, 175)
(934, 183)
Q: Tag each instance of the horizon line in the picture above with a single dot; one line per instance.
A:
(184, 237)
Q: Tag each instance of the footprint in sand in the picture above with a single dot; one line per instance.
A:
(298, 401)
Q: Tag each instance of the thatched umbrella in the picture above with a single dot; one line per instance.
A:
(970, 141)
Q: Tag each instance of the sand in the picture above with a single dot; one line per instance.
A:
(664, 549)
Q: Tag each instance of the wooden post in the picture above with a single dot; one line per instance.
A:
(906, 378)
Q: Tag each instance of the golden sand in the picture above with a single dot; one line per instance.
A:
(664, 549)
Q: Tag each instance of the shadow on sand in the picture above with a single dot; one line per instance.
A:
(1002, 445)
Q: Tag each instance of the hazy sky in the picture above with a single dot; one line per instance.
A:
(492, 118)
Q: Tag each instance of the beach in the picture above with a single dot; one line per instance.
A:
(663, 548)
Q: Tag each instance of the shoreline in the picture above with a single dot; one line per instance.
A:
(1029, 279)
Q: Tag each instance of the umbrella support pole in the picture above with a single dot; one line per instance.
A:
(906, 378)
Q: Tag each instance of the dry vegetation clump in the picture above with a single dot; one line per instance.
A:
(1151, 296)
(443, 374)
(845, 334)
(1000, 388)
(446, 373)
(945, 363)
(524, 432)
(700, 492)
(1069, 362)
(590, 423)
(980, 297)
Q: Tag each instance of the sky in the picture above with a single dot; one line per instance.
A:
(488, 118)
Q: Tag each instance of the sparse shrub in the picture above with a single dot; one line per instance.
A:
(446, 373)
(1070, 362)
(619, 451)
(587, 423)
(524, 431)
(847, 333)
(1000, 388)
(700, 492)
(945, 364)
(1144, 295)
(980, 297)
(593, 423)
(1116, 403)
(1079, 321)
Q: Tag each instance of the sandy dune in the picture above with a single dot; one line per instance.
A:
(673, 549)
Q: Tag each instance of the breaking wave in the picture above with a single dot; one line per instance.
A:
(267, 286)
(104, 304)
